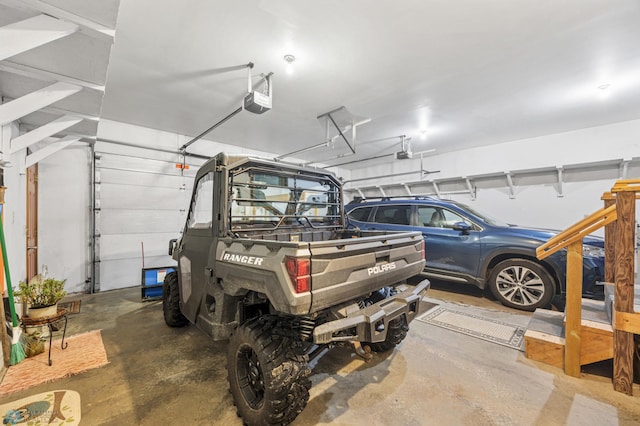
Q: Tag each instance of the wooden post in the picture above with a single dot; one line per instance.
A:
(609, 242)
(32, 221)
(624, 278)
(573, 310)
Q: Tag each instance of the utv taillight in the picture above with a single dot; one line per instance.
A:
(300, 272)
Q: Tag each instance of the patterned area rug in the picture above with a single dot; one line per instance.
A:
(474, 325)
(53, 407)
(84, 352)
(72, 307)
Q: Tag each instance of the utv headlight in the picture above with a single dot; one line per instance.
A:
(592, 251)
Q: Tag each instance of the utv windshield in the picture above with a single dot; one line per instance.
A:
(261, 197)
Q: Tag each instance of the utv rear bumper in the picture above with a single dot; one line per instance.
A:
(371, 323)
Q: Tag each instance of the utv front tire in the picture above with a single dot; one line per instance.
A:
(171, 302)
(398, 329)
(268, 379)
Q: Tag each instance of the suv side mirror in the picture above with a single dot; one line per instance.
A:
(463, 227)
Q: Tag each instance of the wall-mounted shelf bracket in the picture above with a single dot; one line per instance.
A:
(470, 187)
(624, 168)
(560, 169)
(512, 189)
(436, 189)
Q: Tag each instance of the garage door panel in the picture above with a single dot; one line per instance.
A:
(163, 162)
(110, 155)
(143, 197)
(123, 273)
(143, 165)
(114, 247)
(115, 221)
(125, 177)
(143, 200)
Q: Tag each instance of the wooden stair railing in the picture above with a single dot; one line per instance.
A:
(618, 218)
(625, 321)
(571, 239)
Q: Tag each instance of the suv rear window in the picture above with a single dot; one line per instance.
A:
(360, 213)
(398, 215)
(437, 217)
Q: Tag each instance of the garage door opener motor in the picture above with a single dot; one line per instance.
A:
(257, 102)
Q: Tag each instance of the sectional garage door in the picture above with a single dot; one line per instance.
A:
(141, 200)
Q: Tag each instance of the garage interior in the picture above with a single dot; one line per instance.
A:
(529, 111)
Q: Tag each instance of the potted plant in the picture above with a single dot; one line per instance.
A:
(41, 295)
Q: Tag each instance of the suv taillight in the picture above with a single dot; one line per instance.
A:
(422, 248)
(300, 272)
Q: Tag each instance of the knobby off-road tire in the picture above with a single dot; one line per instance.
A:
(522, 284)
(396, 333)
(268, 377)
(171, 302)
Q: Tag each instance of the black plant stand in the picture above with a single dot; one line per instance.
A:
(49, 322)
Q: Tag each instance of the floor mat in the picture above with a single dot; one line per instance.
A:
(84, 352)
(473, 325)
(72, 307)
(53, 407)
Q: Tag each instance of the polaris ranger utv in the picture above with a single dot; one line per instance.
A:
(266, 261)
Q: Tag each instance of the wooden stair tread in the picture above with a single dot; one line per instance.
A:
(545, 335)
(594, 310)
(547, 322)
(544, 339)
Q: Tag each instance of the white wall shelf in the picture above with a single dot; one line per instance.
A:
(511, 180)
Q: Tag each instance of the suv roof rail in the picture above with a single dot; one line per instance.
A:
(357, 199)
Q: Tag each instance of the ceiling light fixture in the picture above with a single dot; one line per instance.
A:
(289, 59)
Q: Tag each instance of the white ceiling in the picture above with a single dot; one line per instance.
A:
(80, 58)
(469, 72)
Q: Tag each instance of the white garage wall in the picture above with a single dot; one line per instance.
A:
(63, 215)
(539, 206)
(15, 223)
(141, 189)
(590, 159)
(612, 142)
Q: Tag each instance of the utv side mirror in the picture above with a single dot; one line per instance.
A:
(172, 245)
(463, 227)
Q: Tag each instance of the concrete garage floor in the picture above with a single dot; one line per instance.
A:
(159, 375)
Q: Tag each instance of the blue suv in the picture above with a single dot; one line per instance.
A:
(465, 245)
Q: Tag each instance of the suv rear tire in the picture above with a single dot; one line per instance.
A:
(521, 284)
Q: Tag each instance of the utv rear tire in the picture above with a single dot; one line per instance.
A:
(171, 302)
(268, 378)
(522, 284)
(398, 329)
